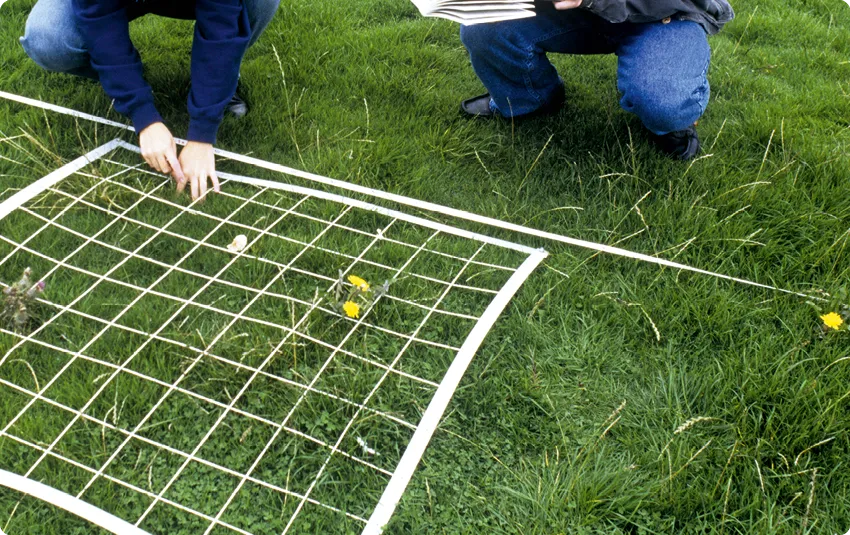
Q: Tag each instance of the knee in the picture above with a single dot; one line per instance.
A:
(48, 50)
(261, 12)
(667, 105)
(480, 38)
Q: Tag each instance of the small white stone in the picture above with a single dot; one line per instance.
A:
(238, 244)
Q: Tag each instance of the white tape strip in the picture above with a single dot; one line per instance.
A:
(437, 407)
(96, 516)
(28, 193)
(423, 205)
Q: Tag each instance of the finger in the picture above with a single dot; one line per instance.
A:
(181, 186)
(150, 160)
(164, 167)
(567, 4)
(176, 170)
(216, 185)
(202, 185)
(195, 191)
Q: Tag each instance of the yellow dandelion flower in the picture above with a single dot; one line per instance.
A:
(360, 283)
(352, 309)
(832, 320)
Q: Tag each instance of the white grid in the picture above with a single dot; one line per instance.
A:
(396, 477)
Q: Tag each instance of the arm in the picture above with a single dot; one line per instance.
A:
(222, 32)
(106, 32)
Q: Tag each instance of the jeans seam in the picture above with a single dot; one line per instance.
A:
(700, 91)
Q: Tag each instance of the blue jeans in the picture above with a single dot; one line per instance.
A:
(54, 43)
(661, 70)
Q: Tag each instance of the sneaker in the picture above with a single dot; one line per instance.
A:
(681, 145)
(237, 106)
(480, 106)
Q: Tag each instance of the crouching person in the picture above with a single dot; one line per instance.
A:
(91, 38)
(663, 58)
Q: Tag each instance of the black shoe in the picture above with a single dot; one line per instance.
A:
(237, 106)
(682, 145)
(480, 106)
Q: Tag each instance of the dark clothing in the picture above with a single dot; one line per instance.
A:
(222, 33)
(710, 14)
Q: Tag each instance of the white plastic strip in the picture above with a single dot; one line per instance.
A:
(433, 225)
(434, 413)
(28, 193)
(96, 516)
(423, 205)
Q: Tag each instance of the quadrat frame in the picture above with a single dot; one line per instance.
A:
(422, 432)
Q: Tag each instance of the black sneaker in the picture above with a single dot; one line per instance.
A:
(681, 145)
(237, 106)
(480, 106)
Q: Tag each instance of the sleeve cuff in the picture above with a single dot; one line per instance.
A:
(203, 130)
(144, 116)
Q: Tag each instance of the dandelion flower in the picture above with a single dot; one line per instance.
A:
(832, 320)
(360, 283)
(352, 309)
(238, 243)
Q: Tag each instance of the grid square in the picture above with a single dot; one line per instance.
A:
(237, 442)
(125, 401)
(292, 463)
(317, 519)
(89, 443)
(63, 476)
(202, 488)
(161, 360)
(271, 520)
(180, 422)
(143, 465)
(78, 383)
(117, 499)
(32, 366)
(106, 300)
(41, 423)
(165, 518)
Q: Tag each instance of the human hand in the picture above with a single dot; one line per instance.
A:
(567, 4)
(198, 163)
(160, 151)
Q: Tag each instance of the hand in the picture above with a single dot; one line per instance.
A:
(198, 163)
(567, 4)
(160, 151)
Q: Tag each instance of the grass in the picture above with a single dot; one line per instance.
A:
(574, 417)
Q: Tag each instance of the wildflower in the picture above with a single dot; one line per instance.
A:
(18, 299)
(832, 320)
(358, 282)
(352, 309)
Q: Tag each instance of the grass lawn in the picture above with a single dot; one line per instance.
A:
(613, 396)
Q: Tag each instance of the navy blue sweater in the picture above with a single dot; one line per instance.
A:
(221, 37)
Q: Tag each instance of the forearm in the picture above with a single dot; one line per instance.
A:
(105, 28)
(222, 33)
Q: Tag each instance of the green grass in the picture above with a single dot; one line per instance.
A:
(535, 442)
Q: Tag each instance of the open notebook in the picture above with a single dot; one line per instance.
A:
(476, 11)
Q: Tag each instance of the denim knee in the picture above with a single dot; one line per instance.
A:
(666, 105)
(49, 51)
(260, 14)
(481, 38)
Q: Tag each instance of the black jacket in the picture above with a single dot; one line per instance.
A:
(711, 14)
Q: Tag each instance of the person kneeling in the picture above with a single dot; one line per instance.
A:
(663, 58)
(91, 38)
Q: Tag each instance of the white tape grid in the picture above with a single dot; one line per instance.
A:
(424, 205)
(475, 338)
